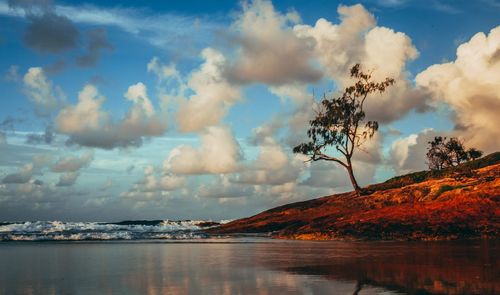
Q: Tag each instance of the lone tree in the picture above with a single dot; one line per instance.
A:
(474, 153)
(340, 123)
(442, 153)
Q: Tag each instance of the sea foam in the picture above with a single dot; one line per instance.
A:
(125, 230)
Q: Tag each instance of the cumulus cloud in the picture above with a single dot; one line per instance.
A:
(340, 46)
(88, 125)
(157, 184)
(269, 51)
(273, 166)
(73, 163)
(68, 179)
(213, 94)
(152, 182)
(357, 39)
(200, 99)
(408, 154)
(219, 153)
(262, 133)
(291, 124)
(138, 95)
(97, 43)
(25, 200)
(470, 87)
(27, 171)
(296, 121)
(171, 86)
(28, 191)
(163, 72)
(22, 176)
(46, 97)
(223, 188)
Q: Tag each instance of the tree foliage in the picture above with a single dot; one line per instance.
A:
(340, 123)
(443, 153)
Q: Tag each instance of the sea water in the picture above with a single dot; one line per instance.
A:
(119, 259)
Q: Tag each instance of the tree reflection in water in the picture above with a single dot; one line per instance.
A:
(252, 266)
(449, 267)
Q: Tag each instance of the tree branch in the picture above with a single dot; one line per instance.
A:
(322, 156)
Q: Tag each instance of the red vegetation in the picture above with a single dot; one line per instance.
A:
(461, 205)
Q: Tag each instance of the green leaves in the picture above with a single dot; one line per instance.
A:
(442, 154)
(338, 121)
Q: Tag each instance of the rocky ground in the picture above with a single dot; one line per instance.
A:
(457, 203)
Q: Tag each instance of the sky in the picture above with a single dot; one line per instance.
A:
(115, 110)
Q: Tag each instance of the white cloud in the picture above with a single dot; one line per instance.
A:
(470, 85)
(23, 176)
(171, 86)
(88, 125)
(46, 97)
(222, 188)
(87, 114)
(269, 51)
(213, 94)
(68, 179)
(152, 182)
(163, 72)
(27, 171)
(73, 163)
(219, 153)
(273, 166)
(297, 121)
(400, 147)
(138, 95)
(357, 39)
(340, 46)
(408, 154)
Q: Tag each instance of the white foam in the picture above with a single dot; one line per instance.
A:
(75, 231)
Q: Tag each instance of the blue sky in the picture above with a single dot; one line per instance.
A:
(189, 109)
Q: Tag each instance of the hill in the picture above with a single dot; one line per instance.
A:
(457, 203)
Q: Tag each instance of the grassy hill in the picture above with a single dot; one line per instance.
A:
(457, 203)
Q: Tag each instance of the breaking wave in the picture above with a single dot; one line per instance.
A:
(125, 230)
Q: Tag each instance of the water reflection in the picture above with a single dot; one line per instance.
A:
(413, 268)
(275, 267)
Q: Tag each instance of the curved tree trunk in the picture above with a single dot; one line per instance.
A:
(352, 178)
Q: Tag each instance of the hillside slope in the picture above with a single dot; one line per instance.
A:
(458, 203)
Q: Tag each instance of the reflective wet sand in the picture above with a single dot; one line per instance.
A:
(250, 266)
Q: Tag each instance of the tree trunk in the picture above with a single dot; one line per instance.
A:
(353, 179)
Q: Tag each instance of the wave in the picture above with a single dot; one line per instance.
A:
(124, 230)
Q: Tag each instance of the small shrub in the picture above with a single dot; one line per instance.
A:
(444, 188)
